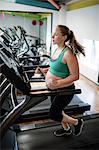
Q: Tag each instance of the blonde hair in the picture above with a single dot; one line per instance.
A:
(75, 46)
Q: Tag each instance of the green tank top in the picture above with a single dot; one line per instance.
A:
(57, 68)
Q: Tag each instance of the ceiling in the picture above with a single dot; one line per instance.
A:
(56, 4)
(71, 4)
(50, 4)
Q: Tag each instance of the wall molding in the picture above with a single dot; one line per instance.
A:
(81, 4)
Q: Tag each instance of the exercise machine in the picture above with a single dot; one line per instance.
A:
(15, 81)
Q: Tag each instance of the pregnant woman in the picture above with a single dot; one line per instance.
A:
(62, 73)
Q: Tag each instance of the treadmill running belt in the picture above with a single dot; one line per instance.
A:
(44, 139)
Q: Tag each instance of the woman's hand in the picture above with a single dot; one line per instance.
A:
(52, 84)
(37, 71)
(42, 71)
(56, 84)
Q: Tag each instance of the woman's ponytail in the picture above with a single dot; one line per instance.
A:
(74, 45)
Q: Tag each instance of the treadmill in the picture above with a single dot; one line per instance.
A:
(21, 79)
(30, 99)
(41, 110)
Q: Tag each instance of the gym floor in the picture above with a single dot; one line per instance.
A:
(90, 92)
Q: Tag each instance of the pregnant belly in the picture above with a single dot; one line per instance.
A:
(49, 79)
(50, 76)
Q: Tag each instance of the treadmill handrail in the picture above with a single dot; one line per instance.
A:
(45, 92)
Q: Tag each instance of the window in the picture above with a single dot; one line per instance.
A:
(92, 54)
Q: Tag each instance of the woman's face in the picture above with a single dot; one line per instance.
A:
(57, 37)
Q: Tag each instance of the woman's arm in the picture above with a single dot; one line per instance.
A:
(45, 69)
(73, 66)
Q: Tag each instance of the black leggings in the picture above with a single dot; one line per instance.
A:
(58, 103)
